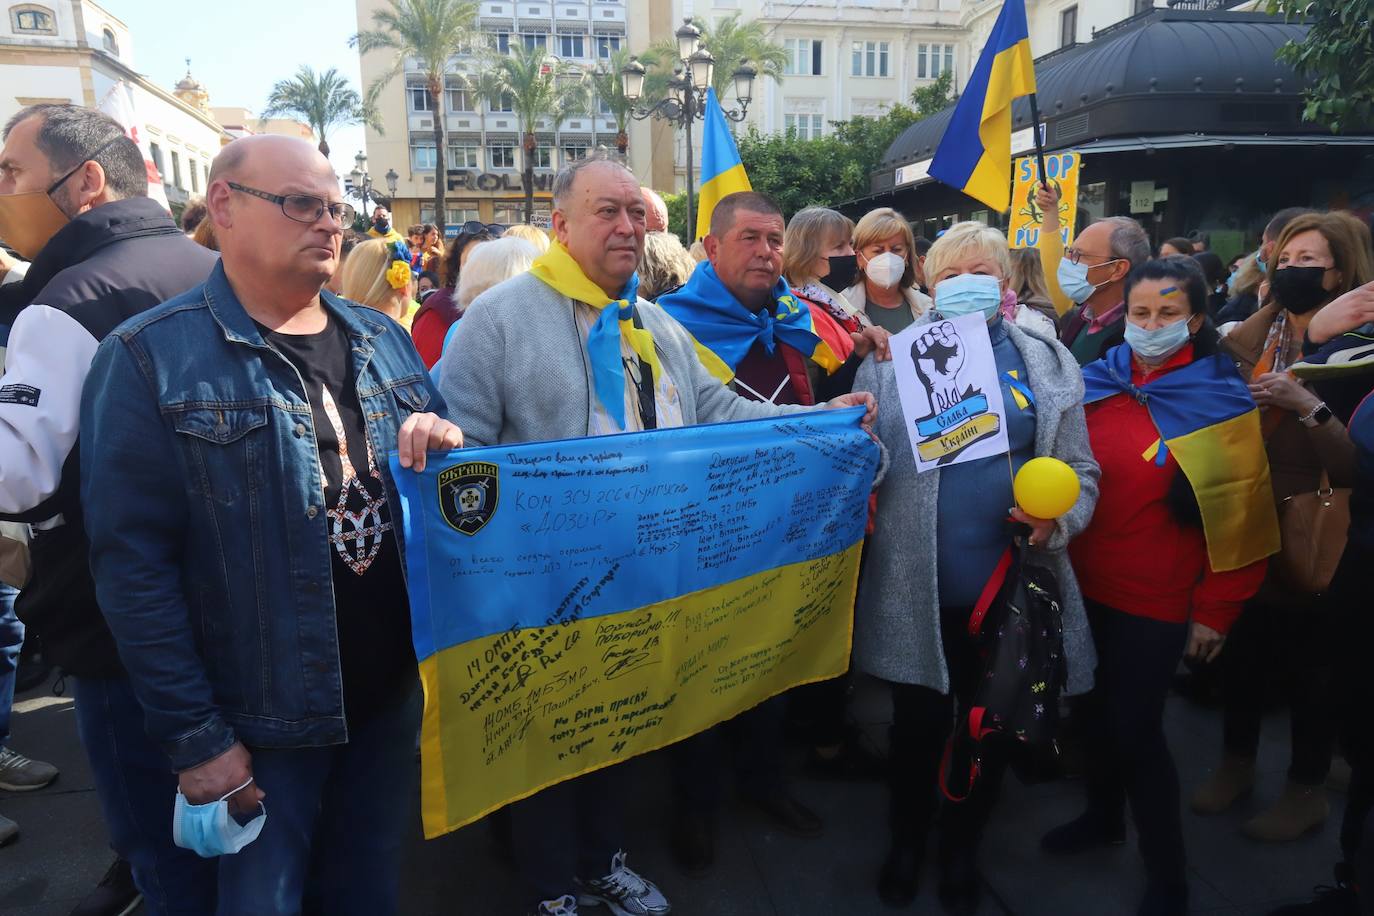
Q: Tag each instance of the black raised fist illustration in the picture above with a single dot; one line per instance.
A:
(939, 355)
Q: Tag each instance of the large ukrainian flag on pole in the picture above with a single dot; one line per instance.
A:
(722, 172)
(975, 152)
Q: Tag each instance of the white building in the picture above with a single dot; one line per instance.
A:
(78, 52)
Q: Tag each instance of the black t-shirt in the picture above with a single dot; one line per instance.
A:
(371, 608)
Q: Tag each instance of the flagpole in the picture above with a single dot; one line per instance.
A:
(1039, 144)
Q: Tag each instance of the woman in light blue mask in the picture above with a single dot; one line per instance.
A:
(1164, 572)
(938, 537)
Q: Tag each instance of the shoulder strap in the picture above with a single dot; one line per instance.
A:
(989, 593)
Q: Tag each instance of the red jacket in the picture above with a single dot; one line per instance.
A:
(1135, 556)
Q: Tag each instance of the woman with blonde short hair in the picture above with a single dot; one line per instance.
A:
(378, 274)
(532, 234)
(970, 238)
(490, 264)
(886, 254)
(666, 265)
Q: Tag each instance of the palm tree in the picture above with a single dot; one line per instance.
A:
(430, 32)
(322, 100)
(731, 42)
(608, 87)
(541, 86)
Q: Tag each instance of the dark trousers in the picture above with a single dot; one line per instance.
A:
(1354, 699)
(571, 829)
(336, 817)
(699, 762)
(1128, 756)
(1290, 643)
(11, 642)
(137, 792)
(922, 721)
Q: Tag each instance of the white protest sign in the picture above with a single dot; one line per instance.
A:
(951, 398)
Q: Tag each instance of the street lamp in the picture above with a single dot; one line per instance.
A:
(686, 99)
(359, 183)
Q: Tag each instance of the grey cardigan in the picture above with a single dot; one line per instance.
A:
(897, 621)
(517, 369)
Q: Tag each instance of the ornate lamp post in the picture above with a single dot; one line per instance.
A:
(686, 101)
(359, 183)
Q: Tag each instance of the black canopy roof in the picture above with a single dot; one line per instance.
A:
(1163, 72)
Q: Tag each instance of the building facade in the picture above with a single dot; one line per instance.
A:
(77, 52)
(483, 160)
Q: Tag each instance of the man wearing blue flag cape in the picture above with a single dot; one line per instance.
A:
(566, 351)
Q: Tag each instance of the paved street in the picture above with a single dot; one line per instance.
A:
(61, 851)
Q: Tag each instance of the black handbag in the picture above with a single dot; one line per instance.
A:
(1018, 627)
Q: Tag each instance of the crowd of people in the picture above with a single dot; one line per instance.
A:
(200, 532)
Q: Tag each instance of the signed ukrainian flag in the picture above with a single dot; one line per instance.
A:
(1208, 420)
(974, 155)
(722, 172)
(576, 603)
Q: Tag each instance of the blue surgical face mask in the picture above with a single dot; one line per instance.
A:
(208, 830)
(967, 294)
(1159, 344)
(1231, 284)
(1073, 280)
(1259, 261)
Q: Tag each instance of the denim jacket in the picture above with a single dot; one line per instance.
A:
(203, 492)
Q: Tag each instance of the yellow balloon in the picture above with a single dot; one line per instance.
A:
(1045, 488)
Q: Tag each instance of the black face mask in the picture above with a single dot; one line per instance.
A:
(1299, 289)
(844, 270)
(381, 225)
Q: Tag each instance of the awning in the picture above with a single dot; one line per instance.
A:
(1188, 141)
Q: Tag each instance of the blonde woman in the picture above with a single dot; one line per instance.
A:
(378, 275)
(532, 234)
(666, 265)
(886, 253)
(818, 260)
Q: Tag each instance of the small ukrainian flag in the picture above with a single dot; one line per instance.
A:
(975, 153)
(722, 172)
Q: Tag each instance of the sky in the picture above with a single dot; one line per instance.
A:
(239, 49)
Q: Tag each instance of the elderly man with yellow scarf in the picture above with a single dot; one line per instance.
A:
(565, 351)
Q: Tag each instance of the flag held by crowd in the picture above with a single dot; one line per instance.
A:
(722, 171)
(974, 155)
(577, 603)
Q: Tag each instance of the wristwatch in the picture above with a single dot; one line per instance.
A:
(1317, 416)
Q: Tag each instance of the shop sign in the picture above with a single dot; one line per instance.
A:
(467, 180)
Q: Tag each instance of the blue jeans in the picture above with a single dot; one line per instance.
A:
(137, 792)
(11, 641)
(335, 819)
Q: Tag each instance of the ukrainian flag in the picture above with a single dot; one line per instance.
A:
(975, 153)
(722, 172)
(1208, 420)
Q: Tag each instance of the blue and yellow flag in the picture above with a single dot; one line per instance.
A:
(724, 330)
(722, 172)
(576, 603)
(974, 155)
(1208, 420)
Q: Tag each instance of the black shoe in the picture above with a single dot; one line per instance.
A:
(32, 670)
(899, 879)
(115, 895)
(961, 887)
(694, 843)
(1340, 900)
(790, 815)
(1088, 831)
(1164, 900)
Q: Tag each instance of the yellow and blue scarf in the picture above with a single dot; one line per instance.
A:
(558, 269)
(724, 329)
(1207, 418)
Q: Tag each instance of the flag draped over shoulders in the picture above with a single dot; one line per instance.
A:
(1208, 420)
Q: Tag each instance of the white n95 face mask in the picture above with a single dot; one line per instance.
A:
(885, 269)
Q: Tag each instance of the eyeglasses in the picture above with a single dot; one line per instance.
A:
(1075, 256)
(474, 227)
(303, 208)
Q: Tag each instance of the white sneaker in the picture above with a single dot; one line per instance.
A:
(8, 830)
(20, 774)
(623, 892)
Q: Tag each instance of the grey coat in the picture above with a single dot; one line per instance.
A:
(517, 369)
(897, 621)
